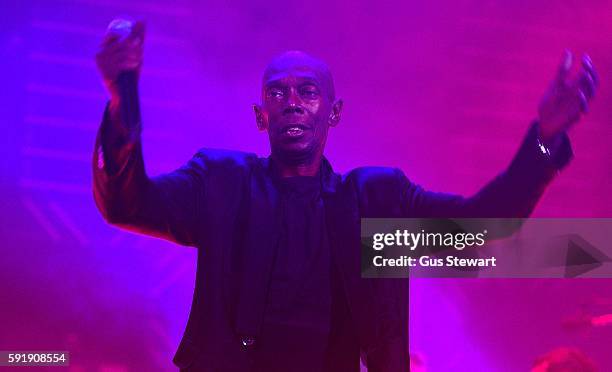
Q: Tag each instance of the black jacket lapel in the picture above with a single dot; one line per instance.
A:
(258, 251)
(343, 223)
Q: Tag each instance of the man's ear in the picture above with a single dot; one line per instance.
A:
(336, 111)
(260, 120)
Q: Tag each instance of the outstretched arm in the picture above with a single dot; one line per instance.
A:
(514, 193)
(545, 150)
(165, 206)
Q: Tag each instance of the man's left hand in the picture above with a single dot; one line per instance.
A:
(567, 98)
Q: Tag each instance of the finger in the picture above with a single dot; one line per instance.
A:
(587, 64)
(130, 64)
(576, 107)
(138, 31)
(584, 102)
(586, 84)
(126, 58)
(121, 48)
(109, 38)
(112, 53)
(130, 58)
(564, 67)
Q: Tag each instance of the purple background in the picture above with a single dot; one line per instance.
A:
(445, 90)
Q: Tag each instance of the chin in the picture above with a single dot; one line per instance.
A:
(295, 151)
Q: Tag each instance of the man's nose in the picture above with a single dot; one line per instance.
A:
(293, 108)
(293, 104)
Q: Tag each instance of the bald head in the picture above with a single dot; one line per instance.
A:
(297, 109)
(300, 63)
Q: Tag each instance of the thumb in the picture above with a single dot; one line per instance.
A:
(565, 66)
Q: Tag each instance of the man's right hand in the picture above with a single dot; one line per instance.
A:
(121, 50)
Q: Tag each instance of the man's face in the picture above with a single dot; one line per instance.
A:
(297, 108)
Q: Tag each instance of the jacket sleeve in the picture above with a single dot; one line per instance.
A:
(166, 206)
(512, 194)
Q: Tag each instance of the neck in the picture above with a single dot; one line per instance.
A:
(305, 167)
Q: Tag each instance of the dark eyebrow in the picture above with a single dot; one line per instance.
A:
(310, 81)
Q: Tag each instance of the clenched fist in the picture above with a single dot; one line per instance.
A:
(567, 98)
(121, 50)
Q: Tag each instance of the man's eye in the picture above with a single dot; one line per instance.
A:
(310, 93)
(275, 93)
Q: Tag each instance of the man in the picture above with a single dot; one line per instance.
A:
(278, 284)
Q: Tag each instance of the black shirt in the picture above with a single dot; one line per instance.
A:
(297, 318)
(300, 291)
(304, 289)
(307, 325)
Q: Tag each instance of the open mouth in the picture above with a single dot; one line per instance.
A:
(294, 130)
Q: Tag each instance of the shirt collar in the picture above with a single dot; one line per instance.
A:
(329, 179)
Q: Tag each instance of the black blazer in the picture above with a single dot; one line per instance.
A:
(225, 203)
